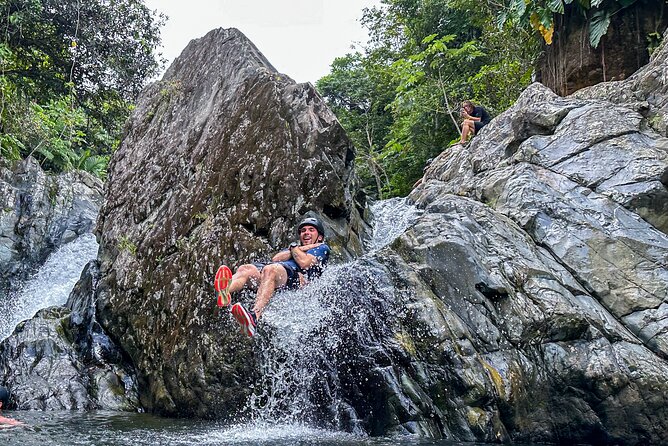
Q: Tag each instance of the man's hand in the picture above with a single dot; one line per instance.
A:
(284, 255)
(303, 259)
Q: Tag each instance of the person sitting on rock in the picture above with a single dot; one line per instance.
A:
(475, 118)
(4, 401)
(289, 269)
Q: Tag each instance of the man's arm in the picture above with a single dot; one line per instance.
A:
(286, 254)
(303, 259)
(311, 246)
(472, 118)
(282, 256)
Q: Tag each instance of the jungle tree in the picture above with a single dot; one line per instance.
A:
(422, 59)
(70, 71)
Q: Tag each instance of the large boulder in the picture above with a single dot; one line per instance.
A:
(61, 359)
(530, 297)
(220, 160)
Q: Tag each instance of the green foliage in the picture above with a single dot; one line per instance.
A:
(359, 91)
(70, 71)
(94, 164)
(653, 42)
(540, 14)
(499, 84)
(428, 94)
(99, 45)
(399, 98)
(125, 244)
(58, 134)
(598, 26)
(53, 133)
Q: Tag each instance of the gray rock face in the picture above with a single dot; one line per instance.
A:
(504, 342)
(534, 288)
(62, 360)
(41, 212)
(220, 160)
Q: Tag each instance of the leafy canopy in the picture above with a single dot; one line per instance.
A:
(540, 14)
(398, 96)
(70, 72)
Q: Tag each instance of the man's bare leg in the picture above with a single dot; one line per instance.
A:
(272, 277)
(242, 276)
(468, 128)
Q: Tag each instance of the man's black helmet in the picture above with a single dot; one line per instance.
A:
(312, 221)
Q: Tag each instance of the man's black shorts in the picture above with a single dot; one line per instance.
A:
(293, 275)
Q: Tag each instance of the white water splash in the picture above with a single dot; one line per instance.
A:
(51, 285)
(300, 384)
(275, 434)
(288, 358)
(390, 218)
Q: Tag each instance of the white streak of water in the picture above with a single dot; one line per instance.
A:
(391, 218)
(51, 285)
(270, 433)
(298, 336)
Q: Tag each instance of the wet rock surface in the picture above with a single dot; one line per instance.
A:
(61, 359)
(505, 343)
(220, 160)
(532, 292)
(41, 212)
(47, 362)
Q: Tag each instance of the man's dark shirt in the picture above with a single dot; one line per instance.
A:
(480, 112)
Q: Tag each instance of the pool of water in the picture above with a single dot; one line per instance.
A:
(104, 428)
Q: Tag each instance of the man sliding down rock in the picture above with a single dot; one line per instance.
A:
(289, 269)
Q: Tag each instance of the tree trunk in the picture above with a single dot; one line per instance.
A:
(570, 63)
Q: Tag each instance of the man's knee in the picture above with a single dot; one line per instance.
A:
(248, 270)
(271, 271)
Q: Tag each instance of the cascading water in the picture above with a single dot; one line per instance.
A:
(51, 285)
(390, 219)
(303, 360)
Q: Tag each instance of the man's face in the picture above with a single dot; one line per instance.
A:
(308, 234)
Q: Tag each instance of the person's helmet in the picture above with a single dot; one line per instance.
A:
(312, 221)
(4, 397)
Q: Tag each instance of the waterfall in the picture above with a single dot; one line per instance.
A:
(390, 219)
(309, 339)
(50, 285)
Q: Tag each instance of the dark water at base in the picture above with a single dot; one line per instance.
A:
(115, 428)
